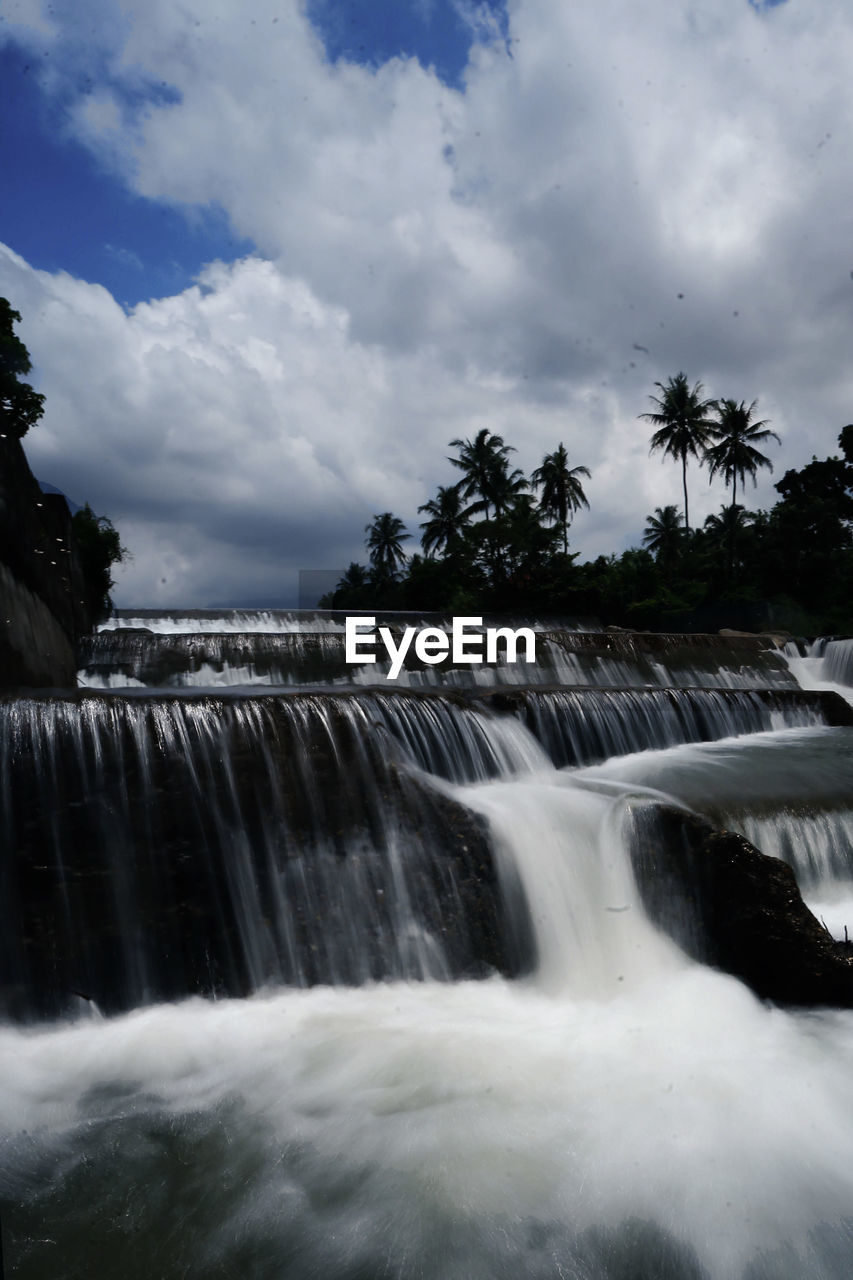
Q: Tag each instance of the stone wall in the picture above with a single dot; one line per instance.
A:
(42, 608)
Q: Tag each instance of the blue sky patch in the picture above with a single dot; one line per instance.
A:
(62, 210)
(438, 33)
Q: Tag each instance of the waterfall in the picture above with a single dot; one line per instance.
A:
(569, 846)
(582, 726)
(282, 621)
(824, 663)
(334, 975)
(289, 650)
(818, 846)
(196, 843)
(837, 661)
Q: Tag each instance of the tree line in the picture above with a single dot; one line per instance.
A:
(498, 541)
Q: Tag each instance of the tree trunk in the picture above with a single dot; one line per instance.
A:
(684, 479)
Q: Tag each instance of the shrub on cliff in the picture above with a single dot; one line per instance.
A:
(99, 548)
(20, 406)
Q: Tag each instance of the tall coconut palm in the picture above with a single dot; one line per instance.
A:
(562, 491)
(384, 536)
(685, 426)
(448, 518)
(485, 467)
(664, 535)
(736, 434)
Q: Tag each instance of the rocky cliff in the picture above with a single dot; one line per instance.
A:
(42, 609)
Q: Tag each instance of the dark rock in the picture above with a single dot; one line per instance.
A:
(835, 709)
(35, 650)
(729, 905)
(42, 593)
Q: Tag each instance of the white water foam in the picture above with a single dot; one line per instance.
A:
(568, 845)
(811, 670)
(446, 1132)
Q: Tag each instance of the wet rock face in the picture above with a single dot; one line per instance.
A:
(159, 849)
(41, 583)
(35, 651)
(729, 905)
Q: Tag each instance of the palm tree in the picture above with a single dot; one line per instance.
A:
(384, 537)
(664, 534)
(447, 519)
(735, 454)
(562, 491)
(354, 578)
(484, 461)
(685, 428)
(507, 488)
(723, 529)
(731, 517)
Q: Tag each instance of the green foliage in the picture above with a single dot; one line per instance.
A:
(20, 406)
(490, 546)
(845, 440)
(99, 548)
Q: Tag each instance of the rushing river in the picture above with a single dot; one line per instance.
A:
(613, 1111)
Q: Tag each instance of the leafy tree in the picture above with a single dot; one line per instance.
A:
(448, 518)
(735, 454)
(826, 482)
(809, 538)
(562, 491)
(384, 537)
(527, 546)
(846, 441)
(20, 406)
(99, 548)
(685, 427)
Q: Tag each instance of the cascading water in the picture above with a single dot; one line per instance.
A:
(236, 843)
(837, 658)
(824, 663)
(580, 726)
(291, 650)
(468, 1053)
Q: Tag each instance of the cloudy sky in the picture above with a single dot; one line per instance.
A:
(273, 256)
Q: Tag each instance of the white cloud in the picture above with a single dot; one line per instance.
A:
(432, 261)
